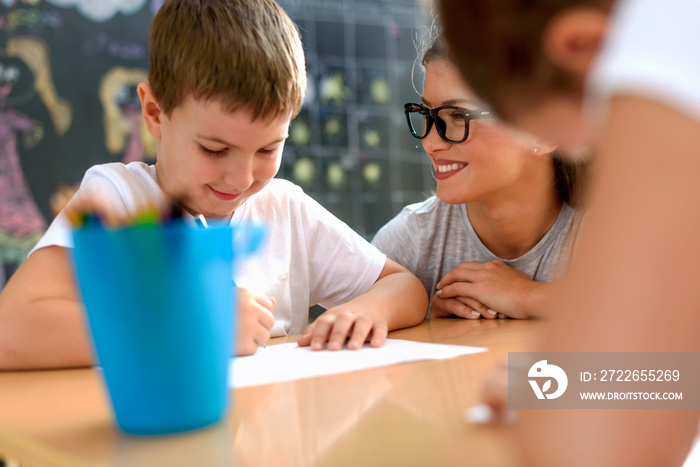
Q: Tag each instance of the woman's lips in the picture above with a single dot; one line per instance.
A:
(445, 169)
(224, 196)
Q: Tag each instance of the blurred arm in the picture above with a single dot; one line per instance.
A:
(632, 286)
(41, 317)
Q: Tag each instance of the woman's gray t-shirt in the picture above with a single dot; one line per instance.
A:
(432, 238)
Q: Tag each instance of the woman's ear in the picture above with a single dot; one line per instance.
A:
(572, 39)
(150, 109)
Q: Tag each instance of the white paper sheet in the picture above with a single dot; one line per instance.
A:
(286, 362)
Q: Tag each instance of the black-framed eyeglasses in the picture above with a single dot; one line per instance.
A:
(452, 122)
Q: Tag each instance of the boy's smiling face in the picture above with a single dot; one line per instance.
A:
(212, 159)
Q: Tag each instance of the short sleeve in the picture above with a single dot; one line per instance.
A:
(399, 238)
(130, 186)
(342, 264)
(60, 232)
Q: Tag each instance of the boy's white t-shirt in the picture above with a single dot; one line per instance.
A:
(652, 50)
(310, 256)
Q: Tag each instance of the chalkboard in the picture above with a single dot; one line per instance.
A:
(68, 76)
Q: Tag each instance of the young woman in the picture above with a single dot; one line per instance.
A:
(502, 221)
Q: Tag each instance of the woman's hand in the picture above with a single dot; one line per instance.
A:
(463, 307)
(474, 290)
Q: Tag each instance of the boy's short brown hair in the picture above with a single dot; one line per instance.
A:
(246, 53)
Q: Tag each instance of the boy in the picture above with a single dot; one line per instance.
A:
(226, 78)
(632, 284)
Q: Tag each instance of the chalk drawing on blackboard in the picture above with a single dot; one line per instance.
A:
(60, 198)
(371, 138)
(100, 11)
(304, 171)
(372, 172)
(373, 86)
(21, 222)
(332, 88)
(334, 127)
(337, 176)
(122, 115)
(374, 130)
(34, 52)
(380, 91)
(299, 132)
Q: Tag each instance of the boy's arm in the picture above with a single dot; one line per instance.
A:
(41, 317)
(396, 300)
(42, 323)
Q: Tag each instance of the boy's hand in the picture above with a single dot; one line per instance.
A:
(101, 200)
(342, 323)
(487, 288)
(255, 320)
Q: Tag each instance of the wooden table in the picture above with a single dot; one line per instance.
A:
(408, 414)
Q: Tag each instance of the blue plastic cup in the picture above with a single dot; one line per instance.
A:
(160, 304)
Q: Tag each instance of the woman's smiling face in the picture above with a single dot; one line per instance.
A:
(490, 162)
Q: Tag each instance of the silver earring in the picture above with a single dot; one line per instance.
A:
(417, 144)
(536, 150)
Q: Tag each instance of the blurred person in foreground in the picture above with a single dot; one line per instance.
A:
(620, 77)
